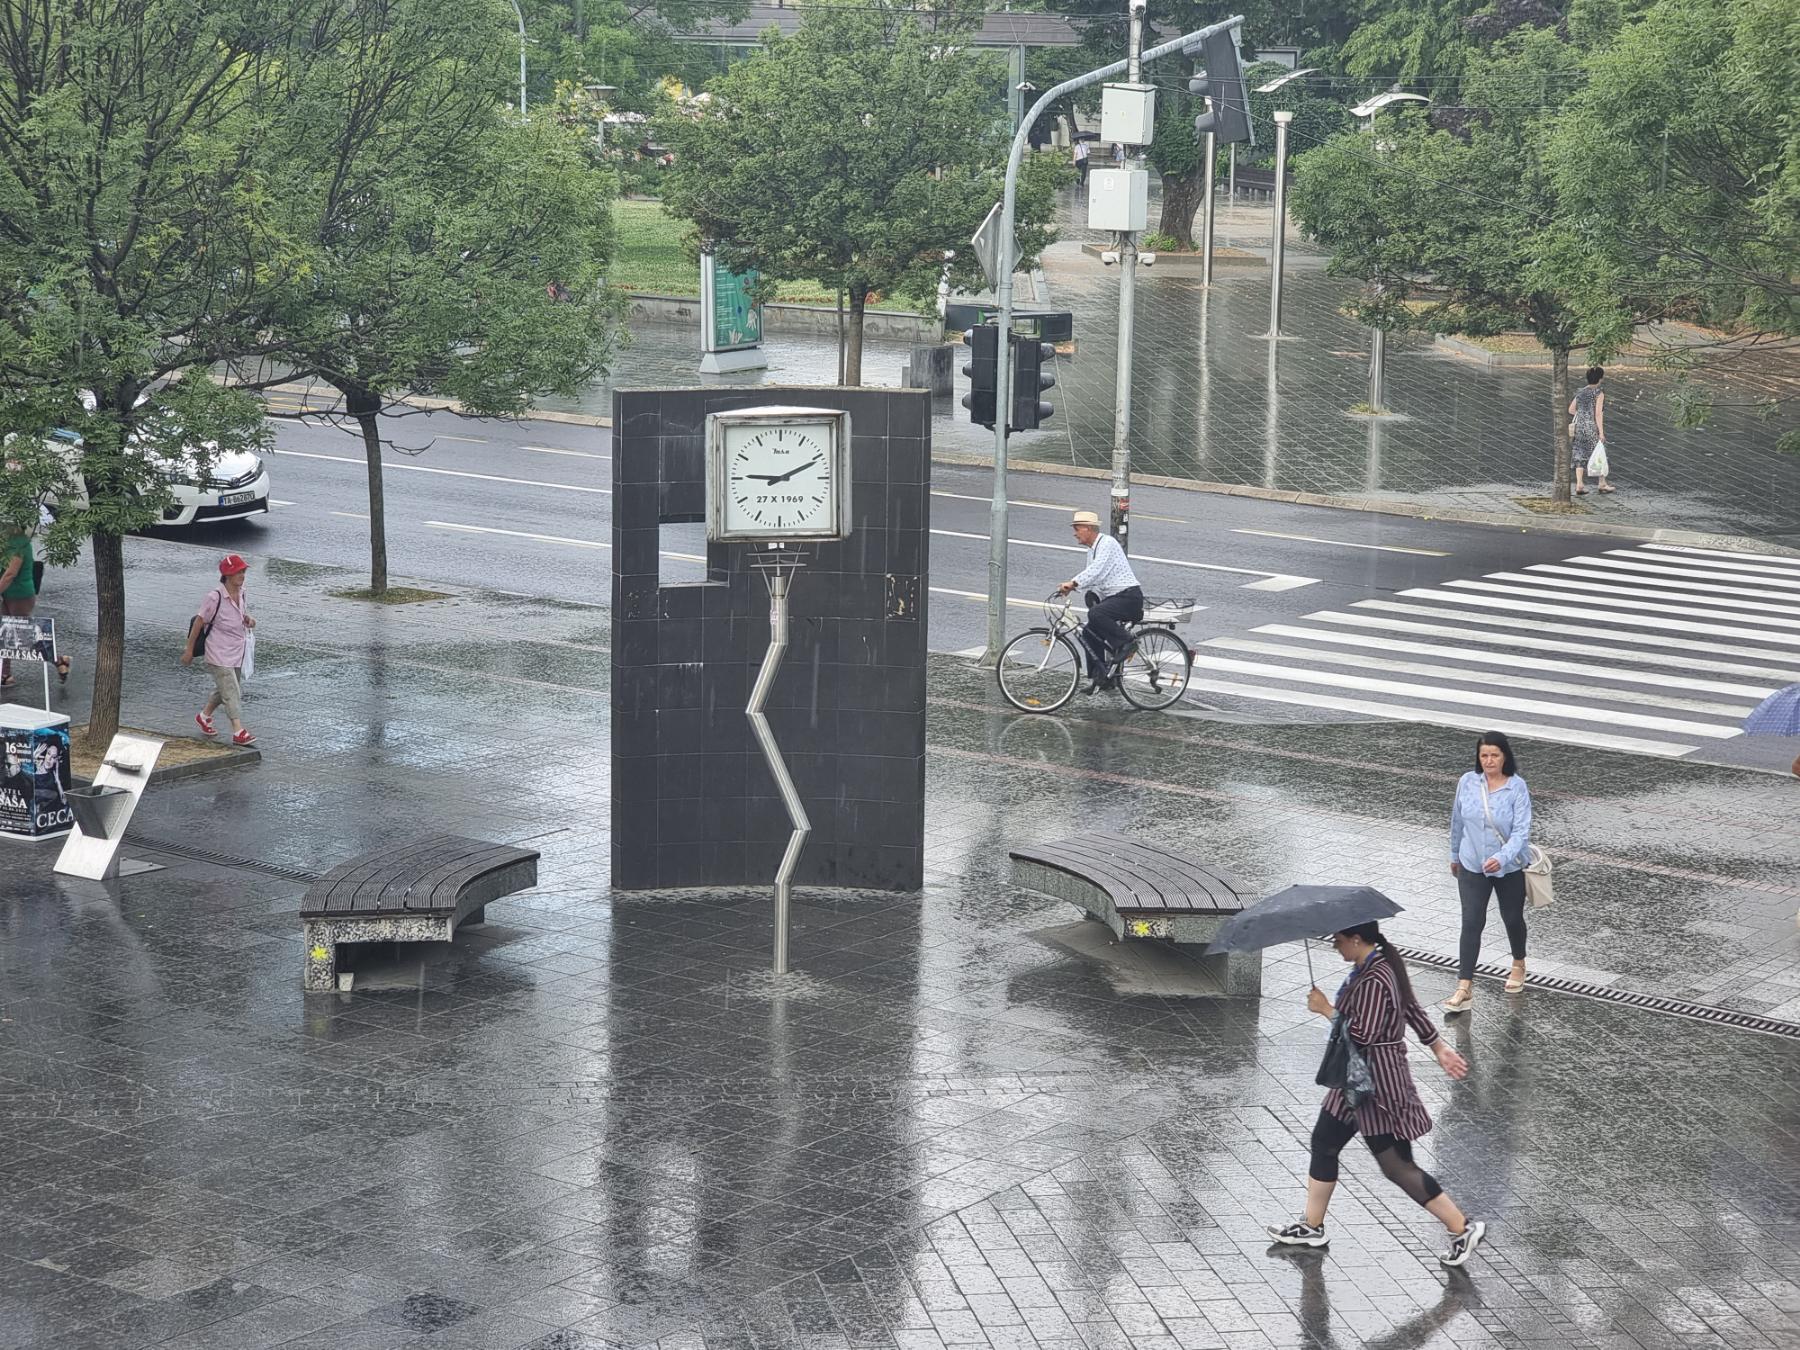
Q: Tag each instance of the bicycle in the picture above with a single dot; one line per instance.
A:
(1039, 670)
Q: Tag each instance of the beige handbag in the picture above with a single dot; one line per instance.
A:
(1540, 884)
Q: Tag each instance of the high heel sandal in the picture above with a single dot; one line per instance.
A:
(62, 670)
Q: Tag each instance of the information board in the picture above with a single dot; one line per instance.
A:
(730, 319)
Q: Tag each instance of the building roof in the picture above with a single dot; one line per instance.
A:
(999, 29)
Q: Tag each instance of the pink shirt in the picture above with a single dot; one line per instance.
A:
(225, 643)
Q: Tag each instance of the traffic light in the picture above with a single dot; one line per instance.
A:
(1223, 83)
(1030, 378)
(983, 341)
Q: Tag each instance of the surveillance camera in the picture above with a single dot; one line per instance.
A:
(1147, 259)
(1109, 257)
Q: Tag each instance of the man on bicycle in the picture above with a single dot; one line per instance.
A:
(1114, 597)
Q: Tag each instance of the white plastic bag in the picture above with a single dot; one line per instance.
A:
(1597, 466)
(248, 669)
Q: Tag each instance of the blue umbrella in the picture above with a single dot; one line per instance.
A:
(1776, 715)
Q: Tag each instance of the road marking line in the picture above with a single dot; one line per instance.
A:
(1345, 543)
(1274, 581)
(1471, 621)
(1602, 574)
(470, 440)
(1628, 610)
(1425, 693)
(449, 473)
(553, 450)
(1047, 506)
(1583, 736)
(351, 515)
(1509, 680)
(1599, 617)
(1649, 591)
(982, 597)
(1659, 678)
(276, 501)
(1770, 561)
(545, 538)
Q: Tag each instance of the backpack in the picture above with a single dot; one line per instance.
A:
(218, 598)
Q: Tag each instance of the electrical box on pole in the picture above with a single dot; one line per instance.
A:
(1222, 85)
(1118, 199)
(1128, 114)
(983, 342)
(1030, 378)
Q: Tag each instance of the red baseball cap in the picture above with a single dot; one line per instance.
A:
(231, 564)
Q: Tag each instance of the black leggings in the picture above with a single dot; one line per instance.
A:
(1474, 888)
(1394, 1155)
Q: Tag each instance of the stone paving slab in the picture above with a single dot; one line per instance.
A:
(599, 1122)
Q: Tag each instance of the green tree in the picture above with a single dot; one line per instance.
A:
(1465, 233)
(449, 249)
(854, 152)
(137, 241)
(1680, 160)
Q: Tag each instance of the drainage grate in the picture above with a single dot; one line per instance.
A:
(208, 855)
(1674, 1007)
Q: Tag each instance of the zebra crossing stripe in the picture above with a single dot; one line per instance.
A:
(1594, 613)
(1515, 661)
(1542, 592)
(1773, 562)
(1648, 591)
(1430, 694)
(1656, 568)
(1599, 570)
(1442, 717)
(1471, 621)
(1493, 679)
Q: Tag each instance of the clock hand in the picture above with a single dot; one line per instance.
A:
(782, 478)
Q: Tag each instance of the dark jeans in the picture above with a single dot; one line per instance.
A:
(1106, 622)
(1474, 888)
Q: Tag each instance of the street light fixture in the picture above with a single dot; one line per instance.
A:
(521, 17)
(1380, 101)
(1288, 78)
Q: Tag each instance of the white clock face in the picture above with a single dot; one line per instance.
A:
(779, 479)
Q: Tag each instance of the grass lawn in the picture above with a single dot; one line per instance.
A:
(648, 257)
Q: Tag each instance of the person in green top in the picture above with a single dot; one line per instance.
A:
(18, 585)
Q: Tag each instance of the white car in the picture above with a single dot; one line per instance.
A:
(235, 485)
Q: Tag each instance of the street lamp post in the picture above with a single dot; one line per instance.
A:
(521, 17)
(1278, 241)
(1377, 401)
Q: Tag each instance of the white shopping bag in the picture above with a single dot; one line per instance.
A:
(1597, 465)
(248, 669)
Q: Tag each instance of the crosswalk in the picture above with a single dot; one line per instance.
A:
(1658, 649)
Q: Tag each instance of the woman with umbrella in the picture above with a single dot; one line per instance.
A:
(1376, 1005)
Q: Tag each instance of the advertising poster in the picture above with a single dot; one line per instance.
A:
(35, 778)
(28, 638)
(731, 319)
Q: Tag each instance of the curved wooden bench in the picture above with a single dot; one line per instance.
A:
(418, 892)
(1142, 890)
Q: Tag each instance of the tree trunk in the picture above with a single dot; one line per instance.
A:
(840, 331)
(1181, 200)
(1559, 421)
(859, 297)
(366, 409)
(109, 650)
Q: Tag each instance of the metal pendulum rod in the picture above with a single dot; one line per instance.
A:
(790, 796)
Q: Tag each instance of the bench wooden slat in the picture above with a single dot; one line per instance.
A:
(1140, 877)
(421, 876)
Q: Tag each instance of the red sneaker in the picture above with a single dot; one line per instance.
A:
(244, 737)
(206, 724)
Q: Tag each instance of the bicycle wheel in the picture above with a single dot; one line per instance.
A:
(1038, 671)
(1154, 671)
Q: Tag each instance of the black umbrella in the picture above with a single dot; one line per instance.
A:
(1086, 136)
(1300, 913)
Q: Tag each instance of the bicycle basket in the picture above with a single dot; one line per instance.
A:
(1169, 612)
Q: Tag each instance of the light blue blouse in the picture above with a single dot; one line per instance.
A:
(1473, 840)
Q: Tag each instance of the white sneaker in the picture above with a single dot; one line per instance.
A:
(1298, 1234)
(1463, 1245)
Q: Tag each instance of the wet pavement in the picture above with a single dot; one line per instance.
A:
(597, 1121)
(1214, 402)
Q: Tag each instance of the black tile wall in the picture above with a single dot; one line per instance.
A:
(693, 802)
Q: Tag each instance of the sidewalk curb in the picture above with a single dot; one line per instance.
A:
(240, 757)
(1737, 543)
(451, 405)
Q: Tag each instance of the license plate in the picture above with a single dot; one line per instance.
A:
(236, 498)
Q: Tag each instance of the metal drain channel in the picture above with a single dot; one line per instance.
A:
(208, 855)
(1673, 1007)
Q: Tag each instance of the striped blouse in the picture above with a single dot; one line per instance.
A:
(1377, 1020)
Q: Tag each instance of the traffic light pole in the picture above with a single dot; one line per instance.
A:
(997, 520)
(1128, 263)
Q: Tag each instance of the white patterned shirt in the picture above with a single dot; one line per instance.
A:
(1107, 572)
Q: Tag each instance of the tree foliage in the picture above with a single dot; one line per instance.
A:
(856, 152)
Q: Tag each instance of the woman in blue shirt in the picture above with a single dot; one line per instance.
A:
(1490, 836)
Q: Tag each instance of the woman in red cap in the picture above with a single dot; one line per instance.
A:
(220, 629)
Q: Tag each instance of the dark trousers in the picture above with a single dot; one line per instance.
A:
(1475, 888)
(1394, 1156)
(1106, 622)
